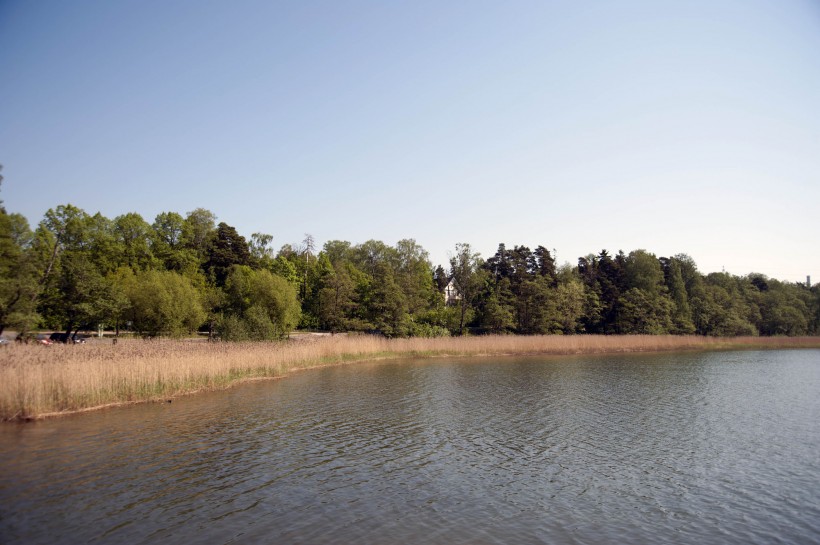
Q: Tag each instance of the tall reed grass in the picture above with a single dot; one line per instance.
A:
(39, 381)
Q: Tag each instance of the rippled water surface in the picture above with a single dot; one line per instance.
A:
(685, 448)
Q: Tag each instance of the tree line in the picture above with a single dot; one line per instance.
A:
(181, 274)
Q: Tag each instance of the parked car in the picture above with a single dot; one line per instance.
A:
(66, 338)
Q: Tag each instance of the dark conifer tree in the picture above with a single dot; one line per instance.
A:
(226, 248)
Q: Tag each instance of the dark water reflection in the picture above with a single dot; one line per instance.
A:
(685, 448)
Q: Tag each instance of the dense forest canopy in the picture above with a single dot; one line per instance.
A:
(181, 274)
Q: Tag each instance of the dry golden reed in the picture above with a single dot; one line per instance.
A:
(38, 381)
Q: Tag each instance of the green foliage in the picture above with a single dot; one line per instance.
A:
(642, 270)
(338, 299)
(286, 269)
(386, 303)
(261, 251)
(497, 314)
(464, 266)
(163, 303)
(535, 308)
(168, 231)
(259, 324)
(198, 230)
(370, 287)
(570, 305)
(18, 281)
(132, 236)
(418, 329)
(76, 271)
(682, 323)
(232, 328)
(785, 309)
(725, 309)
(813, 297)
(74, 292)
(604, 278)
(265, 304)
(276, 299)
(119, 304)
(645, 307)
(226, 249)
(168, 244)
(441, 317)
(545, 263)
(640, 312)
(413, 275)
(337, 251)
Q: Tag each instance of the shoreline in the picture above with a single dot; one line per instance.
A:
(46, 382)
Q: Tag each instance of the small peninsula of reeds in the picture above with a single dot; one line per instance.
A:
(38, 381)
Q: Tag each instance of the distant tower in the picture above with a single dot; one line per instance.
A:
(808, 281)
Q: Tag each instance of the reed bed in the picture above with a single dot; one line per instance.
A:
(40, 381)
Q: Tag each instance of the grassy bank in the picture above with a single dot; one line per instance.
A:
(38, 381)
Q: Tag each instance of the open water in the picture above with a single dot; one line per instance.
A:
(694, 448)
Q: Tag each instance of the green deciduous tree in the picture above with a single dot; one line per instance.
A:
(464, 265)
(265, 303)
(78, 296)
(261, 251)
(785, 309)
(643, 313)
(413, 273)
(645, 307)
(723, 311)
(337, 251)
(18, 275)
(119, 304)
(681, 316)
(337, 299)
(168, 244)
(133, 239)
(164, 303)
(536, 307)
(386, 304)
(198, 230)
(75, 293)
(643, 270)
(570, 301)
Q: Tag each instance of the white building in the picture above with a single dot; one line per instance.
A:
(451, 293)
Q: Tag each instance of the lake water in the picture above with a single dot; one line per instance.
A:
(677, 448)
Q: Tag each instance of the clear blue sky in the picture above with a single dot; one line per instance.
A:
(675, 127)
